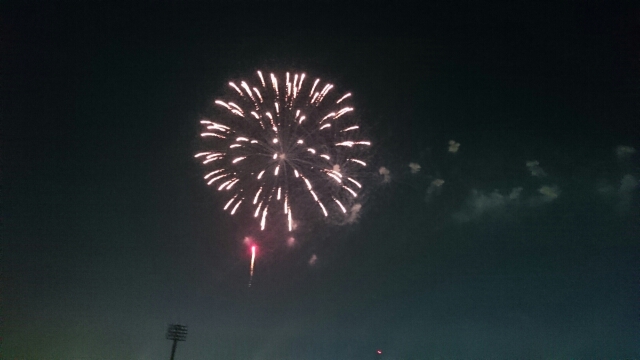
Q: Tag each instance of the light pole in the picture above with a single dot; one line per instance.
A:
(176, 333)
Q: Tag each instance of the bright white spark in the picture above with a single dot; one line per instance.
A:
(307, 182)
(212, 173)
(224, 184)
(248, 90)
(213, 134)
(351, 191)
(239, 159)
(325, 156)
(274, 81)
(258, 93)
(255, 199)
(232, 183)
(236, 107)
(325, 91)
(335, 177)
(261, 78)
(229, 203)
(323, 209)
(358, 161)
(336, 173)
(355, 182)
(343, 111)
(264, 216)
(342, 98)
(216, 178)
(351, 143)
(314, 87)
(236, 207)
(222, 103)
(351, 128)
(215, 126)
(237, 89)
(211, 159)
(340, 204)
(257, 210)
(328, 116)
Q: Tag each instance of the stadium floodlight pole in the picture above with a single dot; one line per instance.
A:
(176, 333)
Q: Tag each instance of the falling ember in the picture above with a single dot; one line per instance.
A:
(301, 130)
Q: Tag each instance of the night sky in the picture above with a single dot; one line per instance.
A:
(109, 232)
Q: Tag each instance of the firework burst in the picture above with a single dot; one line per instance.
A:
(282, 146)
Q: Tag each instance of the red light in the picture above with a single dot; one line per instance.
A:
(379, 352)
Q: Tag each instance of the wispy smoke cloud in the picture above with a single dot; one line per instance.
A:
(453, 146)
(354, 214)
(480, 204)
(624, 152)
(535, 169)
(386, 174)
(434, 189)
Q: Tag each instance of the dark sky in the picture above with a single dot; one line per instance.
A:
(109, 233)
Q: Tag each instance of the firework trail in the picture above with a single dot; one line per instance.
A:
(277, 147)
(253, 259)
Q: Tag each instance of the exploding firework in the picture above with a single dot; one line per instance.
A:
(279, 147)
